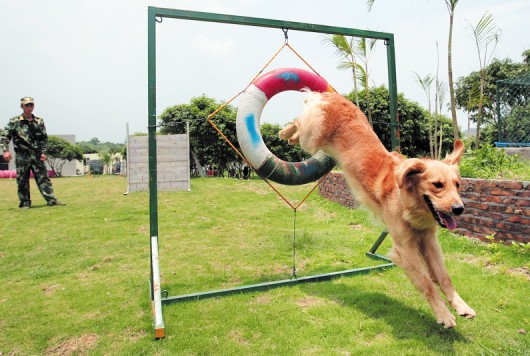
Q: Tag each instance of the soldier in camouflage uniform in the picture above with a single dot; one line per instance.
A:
(30, 141)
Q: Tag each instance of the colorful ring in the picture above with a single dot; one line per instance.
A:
(253, 100)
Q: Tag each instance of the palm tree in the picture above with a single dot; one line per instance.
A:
(439, 98)
(441, 90)
(425, 84)
(345, 50)
(363, 50)
(106, 158)
(352, 51)
(451, 5)
(485, 33)
(526, 56)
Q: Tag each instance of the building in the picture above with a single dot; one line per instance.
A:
(69, 168)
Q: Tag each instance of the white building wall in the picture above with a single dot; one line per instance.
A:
(172, 163)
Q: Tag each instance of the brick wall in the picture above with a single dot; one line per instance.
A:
(172, 163)
(500, 207)
(492, 206)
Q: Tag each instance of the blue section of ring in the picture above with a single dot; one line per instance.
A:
(255, 137)
(287, 76)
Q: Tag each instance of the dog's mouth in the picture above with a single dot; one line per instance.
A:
(441, 218)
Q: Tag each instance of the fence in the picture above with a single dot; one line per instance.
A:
(513, 110)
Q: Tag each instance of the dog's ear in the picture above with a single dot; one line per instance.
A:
(454, 158)
(407, 174)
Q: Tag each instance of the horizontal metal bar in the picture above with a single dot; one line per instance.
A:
(262, 22)
(271, 285)
(378, 257)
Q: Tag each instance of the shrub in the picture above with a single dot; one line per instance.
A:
(489, 162)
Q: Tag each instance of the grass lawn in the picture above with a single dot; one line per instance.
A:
(75, 278)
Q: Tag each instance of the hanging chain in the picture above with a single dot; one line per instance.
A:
(285, 30)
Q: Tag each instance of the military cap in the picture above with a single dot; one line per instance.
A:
(26, 100)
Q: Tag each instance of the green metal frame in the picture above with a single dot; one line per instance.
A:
(157, 300)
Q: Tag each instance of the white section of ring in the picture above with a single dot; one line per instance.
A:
(253, 100)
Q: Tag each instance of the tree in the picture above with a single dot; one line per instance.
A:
(467, 90)
(485, 33)
(206, 145)
(425, 84)
(413, 122)
(106, 158)
(95, 146)
(86, 147)
(451, 5)
(363, 50)
(59, 152)
(439, 99)
(281, 148)
(526, 56)
(344, 48)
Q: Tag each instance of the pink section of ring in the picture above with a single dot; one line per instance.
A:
(283, 79)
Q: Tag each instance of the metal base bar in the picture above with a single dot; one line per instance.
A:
(288, 282)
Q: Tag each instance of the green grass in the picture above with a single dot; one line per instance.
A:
(75, 278)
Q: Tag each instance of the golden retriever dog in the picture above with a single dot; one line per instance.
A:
(411, 196)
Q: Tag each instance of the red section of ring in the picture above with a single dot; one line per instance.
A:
(283, 79)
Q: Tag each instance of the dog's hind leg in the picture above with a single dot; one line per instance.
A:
(407, 256)
(433, 256)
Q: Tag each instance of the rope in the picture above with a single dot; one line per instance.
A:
(209, 118)
(293, 275)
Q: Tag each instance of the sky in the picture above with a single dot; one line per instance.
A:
(85, 61)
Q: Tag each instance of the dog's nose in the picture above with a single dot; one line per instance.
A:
(457, 209)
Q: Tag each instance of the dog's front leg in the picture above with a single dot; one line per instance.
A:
(434, 258)
(290, 133)
(407, 256)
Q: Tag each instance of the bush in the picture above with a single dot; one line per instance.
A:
(489, 162)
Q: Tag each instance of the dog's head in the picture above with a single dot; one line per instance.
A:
(431, 188)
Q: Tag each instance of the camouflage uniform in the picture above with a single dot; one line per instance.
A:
(30, 141)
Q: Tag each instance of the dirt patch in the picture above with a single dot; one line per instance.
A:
(48, 291)
(262, 299)
(135, 335)
(307, 302)
(355, 226)
(81, 345)
(524, 271)
(238, 337)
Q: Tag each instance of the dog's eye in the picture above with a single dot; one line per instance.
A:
(438, 185)
(457, 185)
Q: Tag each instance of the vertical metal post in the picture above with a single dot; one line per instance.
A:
(393, 94)
(153, 188)
(188, 150)
(499, 124)
(127, 158)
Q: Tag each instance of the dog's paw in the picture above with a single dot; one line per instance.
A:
(462, 308)
(444, 316)
(466, 312)
(448, 320)
(289, 131)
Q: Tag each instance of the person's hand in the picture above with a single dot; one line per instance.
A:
(7, 156)
(42, 157)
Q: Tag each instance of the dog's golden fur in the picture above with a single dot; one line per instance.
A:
(411, 196)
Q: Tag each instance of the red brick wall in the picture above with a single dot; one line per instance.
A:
(492, 206)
